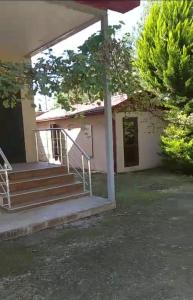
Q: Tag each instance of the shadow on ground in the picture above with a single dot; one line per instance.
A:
(142, 250)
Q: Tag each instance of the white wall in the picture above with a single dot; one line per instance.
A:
(29, 124)
(149, 130)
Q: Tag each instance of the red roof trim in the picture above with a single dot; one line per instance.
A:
(85, 114)
(89, 112)
(121, 6)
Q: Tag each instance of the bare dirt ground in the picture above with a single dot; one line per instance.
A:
(142, 250)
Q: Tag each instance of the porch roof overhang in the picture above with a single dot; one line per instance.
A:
(28, 27)
(121, 6)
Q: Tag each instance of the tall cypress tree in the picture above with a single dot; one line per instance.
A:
(165, 50)
(165, 64)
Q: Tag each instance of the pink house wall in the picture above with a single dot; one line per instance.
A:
(149, 131)
(98, 160)
(150, 127)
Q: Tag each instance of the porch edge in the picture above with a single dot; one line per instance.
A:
(32, 228)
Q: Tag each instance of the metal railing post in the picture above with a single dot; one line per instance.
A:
(89, 177)
(7, 186)
(64, 155)
(61, 150)
(5, 181)
(83, 173)
(67, 155)
(57, 144)
(48, 153)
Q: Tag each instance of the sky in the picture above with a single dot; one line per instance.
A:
(130, 19)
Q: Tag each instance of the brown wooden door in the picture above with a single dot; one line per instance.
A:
(130, 142)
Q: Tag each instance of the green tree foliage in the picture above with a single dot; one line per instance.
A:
(75, 76)
(78, 76)
(165, 48)
(21, 76)
(13, 78)
(165, 66)
(177, 141)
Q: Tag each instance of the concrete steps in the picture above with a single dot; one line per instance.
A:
(48, 200)
(38, 187)
(47, 181)
(36, 173)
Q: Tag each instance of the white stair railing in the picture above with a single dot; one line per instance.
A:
(4, 179)
(55, 145)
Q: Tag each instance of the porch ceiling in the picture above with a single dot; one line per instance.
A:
(28, 26)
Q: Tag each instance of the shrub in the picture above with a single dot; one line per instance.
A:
(177, 143)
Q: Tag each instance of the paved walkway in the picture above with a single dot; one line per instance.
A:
(25, 222)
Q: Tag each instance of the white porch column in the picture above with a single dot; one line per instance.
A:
(108, 122)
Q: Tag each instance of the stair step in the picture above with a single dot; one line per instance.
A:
(38, 182)
(46, 201)
(34, 173)
(40, 193)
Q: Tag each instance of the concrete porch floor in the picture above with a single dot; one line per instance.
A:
(21, 223)
(32, 166)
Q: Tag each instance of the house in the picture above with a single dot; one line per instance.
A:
(25, 182)
(136, 134)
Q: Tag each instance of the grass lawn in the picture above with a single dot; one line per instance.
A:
(142, 250)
